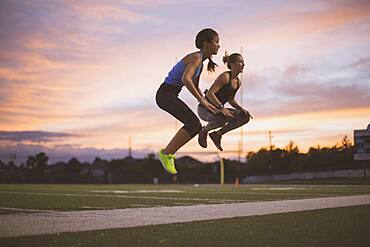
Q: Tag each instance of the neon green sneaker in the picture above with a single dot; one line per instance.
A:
(168, 162)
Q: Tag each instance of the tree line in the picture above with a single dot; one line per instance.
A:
(266, 161)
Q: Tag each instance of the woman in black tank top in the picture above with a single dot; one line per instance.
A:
(223, 91)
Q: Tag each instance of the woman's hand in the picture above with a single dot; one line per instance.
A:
(208, 105)
(226, 113)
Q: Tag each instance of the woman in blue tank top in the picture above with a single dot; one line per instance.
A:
(186, 73)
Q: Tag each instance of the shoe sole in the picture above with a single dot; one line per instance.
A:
(165, 168)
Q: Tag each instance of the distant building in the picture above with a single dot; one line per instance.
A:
(362, 144)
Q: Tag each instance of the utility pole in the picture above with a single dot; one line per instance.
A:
(270, 140)
(129, 147)
(12, 157)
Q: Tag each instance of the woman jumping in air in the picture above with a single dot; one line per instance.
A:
(223, 90)
(186, 73)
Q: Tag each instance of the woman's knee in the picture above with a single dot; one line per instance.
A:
(245, 119)
(241, 119)
(193, 128)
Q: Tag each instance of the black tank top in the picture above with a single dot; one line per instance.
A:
(226, 92)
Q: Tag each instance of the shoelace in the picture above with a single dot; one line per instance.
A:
(172, 156)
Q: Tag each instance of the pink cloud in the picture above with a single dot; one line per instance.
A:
(290, 23)
(104, 11)
(362, 64)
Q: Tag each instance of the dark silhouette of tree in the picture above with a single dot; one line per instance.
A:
(150, 156)
(292, 148)
(74, 165)
(41, 160)
(345, 143)
(31, 162)
(11, 165)
(97, 160)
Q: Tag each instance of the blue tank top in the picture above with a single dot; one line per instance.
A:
(174, 77)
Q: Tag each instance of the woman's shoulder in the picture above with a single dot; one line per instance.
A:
(225, 76)
(194, 57)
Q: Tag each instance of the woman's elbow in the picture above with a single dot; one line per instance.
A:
(187, 81)
(210, 93)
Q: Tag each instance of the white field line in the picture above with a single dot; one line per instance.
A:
(89, 207)
(125, 196)
(191, 192)
(26, 210)
(273, 193)
(56, 222)
(145, 206)
(136, 191)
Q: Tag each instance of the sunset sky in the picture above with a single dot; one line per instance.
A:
(81, 76)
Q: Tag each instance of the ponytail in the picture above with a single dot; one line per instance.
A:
(211, 65)
(227, 59)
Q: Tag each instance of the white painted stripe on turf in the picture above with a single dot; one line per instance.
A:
(26, 210)
(56, 222)
(123, 196)
(177, 198)
(136, 191)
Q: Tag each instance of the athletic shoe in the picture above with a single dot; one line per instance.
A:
(216, 140)
(168, 162)
(202, 138)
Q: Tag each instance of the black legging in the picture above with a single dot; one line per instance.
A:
(168, 100)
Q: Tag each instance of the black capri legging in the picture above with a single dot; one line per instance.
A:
(168, 100)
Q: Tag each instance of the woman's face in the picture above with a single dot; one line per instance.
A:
(238, 65)
(214, 45)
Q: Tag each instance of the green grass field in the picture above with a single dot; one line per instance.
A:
(329, 227)
(85, 197)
